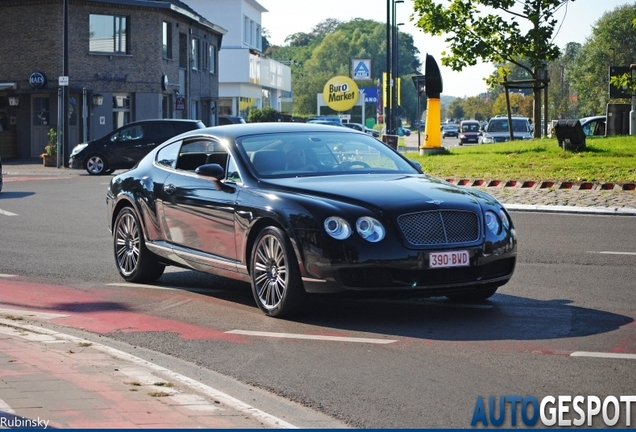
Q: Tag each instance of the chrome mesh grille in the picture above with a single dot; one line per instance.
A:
(439, 227)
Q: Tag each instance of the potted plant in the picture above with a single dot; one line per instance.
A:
(49, 157)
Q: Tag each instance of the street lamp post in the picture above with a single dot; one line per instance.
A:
(391, 66)
(394, 71)
(420, 82)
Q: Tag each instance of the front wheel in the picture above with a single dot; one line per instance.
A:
(96, 165)
(276, 283)
(134, 261)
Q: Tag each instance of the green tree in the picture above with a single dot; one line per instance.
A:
(328, 50)
(267, 114)
(478, 108)
(473, 34)
(455, 109)
(613, 39)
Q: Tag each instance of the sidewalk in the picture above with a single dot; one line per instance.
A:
(53, 380)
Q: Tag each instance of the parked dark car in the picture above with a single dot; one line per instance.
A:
(304, 209)
(127, 145)
(0, 174)
(333, 120)
(362, 128)
(228, 119)
(450, 130)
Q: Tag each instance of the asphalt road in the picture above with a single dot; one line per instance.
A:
(370, 364)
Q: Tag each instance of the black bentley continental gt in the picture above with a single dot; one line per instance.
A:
(299, 210)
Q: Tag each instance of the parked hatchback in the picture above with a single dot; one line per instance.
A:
(127, 145)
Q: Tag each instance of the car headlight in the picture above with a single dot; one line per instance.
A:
(492, 222)
(78, 148)
(337, 227)
(504, 218)
(487, 139)
(370, 229)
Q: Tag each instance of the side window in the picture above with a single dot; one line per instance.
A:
(161, 130)
(129, 133)
(167, 156)
(199, 152)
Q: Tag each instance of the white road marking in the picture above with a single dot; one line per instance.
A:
(612, 253)
(7, 213)
(157, 287)
(2, 275)
(603, 355)
(5, 407)
(311, 337)
(31, 314)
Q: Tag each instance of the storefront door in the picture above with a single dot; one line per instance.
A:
(41, 117)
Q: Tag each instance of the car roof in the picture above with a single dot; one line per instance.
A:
(592, 118)
(237, 130)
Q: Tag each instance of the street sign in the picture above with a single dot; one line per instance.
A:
(63, 81)
(361, 69)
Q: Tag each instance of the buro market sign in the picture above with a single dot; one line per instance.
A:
(340, 93)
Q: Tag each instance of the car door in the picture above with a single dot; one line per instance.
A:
(129, 145)
(198, 211)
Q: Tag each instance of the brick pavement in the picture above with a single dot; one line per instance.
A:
(50, 379)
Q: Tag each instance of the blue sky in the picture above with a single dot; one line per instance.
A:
(287, 17)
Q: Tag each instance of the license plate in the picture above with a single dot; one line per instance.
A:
(448, 259)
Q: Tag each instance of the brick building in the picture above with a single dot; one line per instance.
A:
(128, 60)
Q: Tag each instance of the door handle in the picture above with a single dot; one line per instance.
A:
(169, 188)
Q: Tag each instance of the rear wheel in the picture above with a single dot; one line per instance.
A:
(96, 165)
(134, 261)
(276, 283)
(479, 294)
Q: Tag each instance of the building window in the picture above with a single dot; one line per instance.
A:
(183, 50)
(259, 38)
(246, 30)
(212, 58)
(167, 40)
(121, 110)
(108, 34)
(195, 53)
(205, 59)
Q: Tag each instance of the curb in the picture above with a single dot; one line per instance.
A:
(538, 185)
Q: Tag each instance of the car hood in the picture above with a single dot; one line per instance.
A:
(388, 192)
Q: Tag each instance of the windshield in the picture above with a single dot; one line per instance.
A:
(284, 155)
(501, 125)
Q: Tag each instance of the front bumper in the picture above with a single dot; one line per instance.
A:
(76, 163)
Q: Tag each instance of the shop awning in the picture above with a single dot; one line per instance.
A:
(4, 86)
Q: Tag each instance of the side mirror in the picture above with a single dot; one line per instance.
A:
(416, 165)
(215, 171)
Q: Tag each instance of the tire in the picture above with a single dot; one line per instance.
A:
(96, 165)
(134, 261)
(276, 283)
(478, 295)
